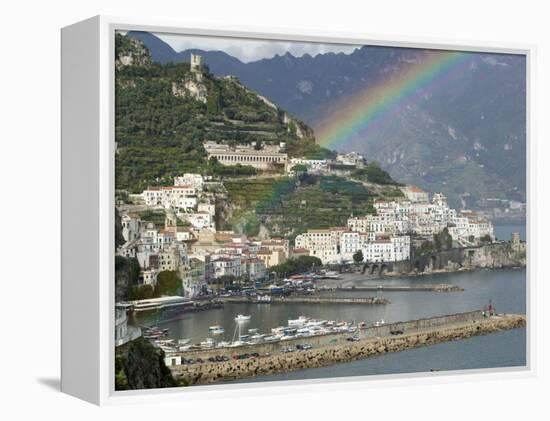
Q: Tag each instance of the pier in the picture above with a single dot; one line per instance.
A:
(308, 300)
(395, 288)
(332, 349)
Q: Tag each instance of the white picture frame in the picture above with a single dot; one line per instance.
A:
(88, 210)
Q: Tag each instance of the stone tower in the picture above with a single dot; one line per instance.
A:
(516, 241)
(196, 63)
(170, 220)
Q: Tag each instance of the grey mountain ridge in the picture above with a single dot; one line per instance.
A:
(465, 137)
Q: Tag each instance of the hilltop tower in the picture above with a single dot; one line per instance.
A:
(196, 63)
(516, 241)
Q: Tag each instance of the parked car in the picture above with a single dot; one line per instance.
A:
(396, 332)
(303, 347)
(287, 349)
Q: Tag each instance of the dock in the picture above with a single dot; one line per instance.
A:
(308, 300)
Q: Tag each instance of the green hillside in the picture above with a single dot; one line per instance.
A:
(288, 207)
(161, 123)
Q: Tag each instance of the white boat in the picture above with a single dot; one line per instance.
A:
(380, 322)
(271, 338)
(208, 343)
(215, 327)
(183, 341)
(242, 318)
(300, 321)
(223, 344)
(257, 338)
(218, 331)
(312, 323)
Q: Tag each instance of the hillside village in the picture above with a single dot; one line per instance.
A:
(187, 223)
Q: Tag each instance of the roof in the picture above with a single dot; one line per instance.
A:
(415, 189)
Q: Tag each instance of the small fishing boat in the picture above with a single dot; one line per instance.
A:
(218, 331)
(242, 318)
(215, 327)
(300, 321)
(379, 323)
(207, 343)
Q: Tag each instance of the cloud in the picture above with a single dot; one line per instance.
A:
(248, 50)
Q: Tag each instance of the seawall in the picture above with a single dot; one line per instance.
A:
(377, 340)
(309, 300)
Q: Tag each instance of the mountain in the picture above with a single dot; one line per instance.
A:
(465, 137)
(164, 113)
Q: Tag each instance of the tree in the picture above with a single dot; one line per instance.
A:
(168, 283)
(358, 256)
(139, 365)
(299, 168)
(486, 238)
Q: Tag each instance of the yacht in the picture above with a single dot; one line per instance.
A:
(242, 318)
(300, 321)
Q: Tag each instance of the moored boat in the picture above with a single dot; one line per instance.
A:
(242, 318)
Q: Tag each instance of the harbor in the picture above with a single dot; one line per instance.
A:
(506, 289)
(376, 340)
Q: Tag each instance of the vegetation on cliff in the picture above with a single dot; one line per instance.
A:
(290, 206)
(139, 365)
(164, 112)
(300, 264)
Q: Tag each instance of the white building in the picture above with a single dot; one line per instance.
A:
(351, 158)
(131, 226)
(226, 266)
(254, 268)
(179, 197)
(194, 180)
(322, 243)
(415, 194)
(387, 249)
(313, 165)
(269, 157)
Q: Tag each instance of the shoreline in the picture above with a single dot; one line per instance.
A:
(429, 331)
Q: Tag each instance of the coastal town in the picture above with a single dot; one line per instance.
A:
(190, 244)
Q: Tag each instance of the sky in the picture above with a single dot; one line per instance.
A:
(248, 50)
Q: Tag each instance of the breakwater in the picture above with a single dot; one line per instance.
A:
(376, 340)
(309, 300)
(395, 288)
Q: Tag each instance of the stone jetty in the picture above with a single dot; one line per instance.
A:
(397, 288)
(392, 338)
(315, 299)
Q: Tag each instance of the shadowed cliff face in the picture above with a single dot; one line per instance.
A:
(138, 365)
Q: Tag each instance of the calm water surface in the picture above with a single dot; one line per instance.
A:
(505, 288)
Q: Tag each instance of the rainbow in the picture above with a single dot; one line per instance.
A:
(357, 114)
